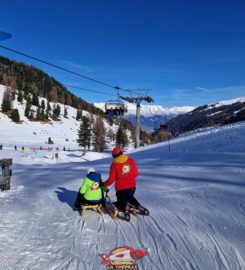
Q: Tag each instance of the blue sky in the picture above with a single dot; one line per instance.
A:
(189, 52)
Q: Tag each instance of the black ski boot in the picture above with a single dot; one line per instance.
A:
(127, 216)
(143, 210)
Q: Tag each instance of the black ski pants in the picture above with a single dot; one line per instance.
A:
(126, 196)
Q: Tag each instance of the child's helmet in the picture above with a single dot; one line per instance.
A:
(90, 170)
(96, 177)
(117, 151)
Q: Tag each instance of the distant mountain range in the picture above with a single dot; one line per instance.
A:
(221, 113)
(151, 115)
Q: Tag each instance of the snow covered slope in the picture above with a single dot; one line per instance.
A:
(220, 113)
(151, 115)
(64, 133)
(195, 193)
(229, 102)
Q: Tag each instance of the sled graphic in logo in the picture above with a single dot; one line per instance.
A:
(123, 258)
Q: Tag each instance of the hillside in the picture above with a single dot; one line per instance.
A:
(221, 113)
(63, 132)
(195, 194)
(31, 80)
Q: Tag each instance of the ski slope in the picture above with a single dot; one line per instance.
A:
(195, 193)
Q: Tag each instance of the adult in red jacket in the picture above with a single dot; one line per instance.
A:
(123, 172)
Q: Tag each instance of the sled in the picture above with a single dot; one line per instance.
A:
(131, 209)
(96, 207)
(110, 207)
(113, 211)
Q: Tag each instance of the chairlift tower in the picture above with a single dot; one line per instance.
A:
(138, 100)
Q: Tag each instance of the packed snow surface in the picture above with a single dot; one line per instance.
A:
(194, 187)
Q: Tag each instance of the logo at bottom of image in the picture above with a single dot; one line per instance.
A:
(123, 258)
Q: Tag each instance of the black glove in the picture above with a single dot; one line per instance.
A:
(105, 189)
(102, 184)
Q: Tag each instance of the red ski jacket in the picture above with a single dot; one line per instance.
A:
(123, 172)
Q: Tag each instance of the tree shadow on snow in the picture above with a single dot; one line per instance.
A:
(66, 196)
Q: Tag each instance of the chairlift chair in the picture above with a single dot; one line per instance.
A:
(164, 126)
(115, 108)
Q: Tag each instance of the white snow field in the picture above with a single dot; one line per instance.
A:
(195, 193)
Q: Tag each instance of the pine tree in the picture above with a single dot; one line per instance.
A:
(15, 115)
(42, 105)
(31, 115)
(28, 107)
(20, 97)
(7, 102)
(121, 137)
(38, 114)
(99, 131)
(65, 113)
(56, 112)
(79, 114)
(35, 100)
(48, 110)
(26, 91)
(111, 135)
(42, 114)
(84, 133)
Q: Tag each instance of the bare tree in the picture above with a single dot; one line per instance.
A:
(99, 131)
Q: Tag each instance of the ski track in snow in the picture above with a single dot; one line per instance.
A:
(196, 201)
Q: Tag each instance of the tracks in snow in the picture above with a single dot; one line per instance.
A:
(58, 238)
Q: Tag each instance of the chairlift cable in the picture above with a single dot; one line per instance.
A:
(117, 88)
(58, 67)
(89, 90)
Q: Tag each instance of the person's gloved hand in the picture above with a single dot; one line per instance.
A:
(101, 184)
(105, 189)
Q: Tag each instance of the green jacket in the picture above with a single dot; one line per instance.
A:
(91, 190)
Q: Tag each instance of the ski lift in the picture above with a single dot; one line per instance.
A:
(161, 125)
(115, 108)
(164, 126)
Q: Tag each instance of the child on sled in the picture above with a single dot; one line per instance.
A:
(90, 192)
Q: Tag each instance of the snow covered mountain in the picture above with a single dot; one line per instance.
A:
(151, 115)
(223, 112)
(195, 193)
